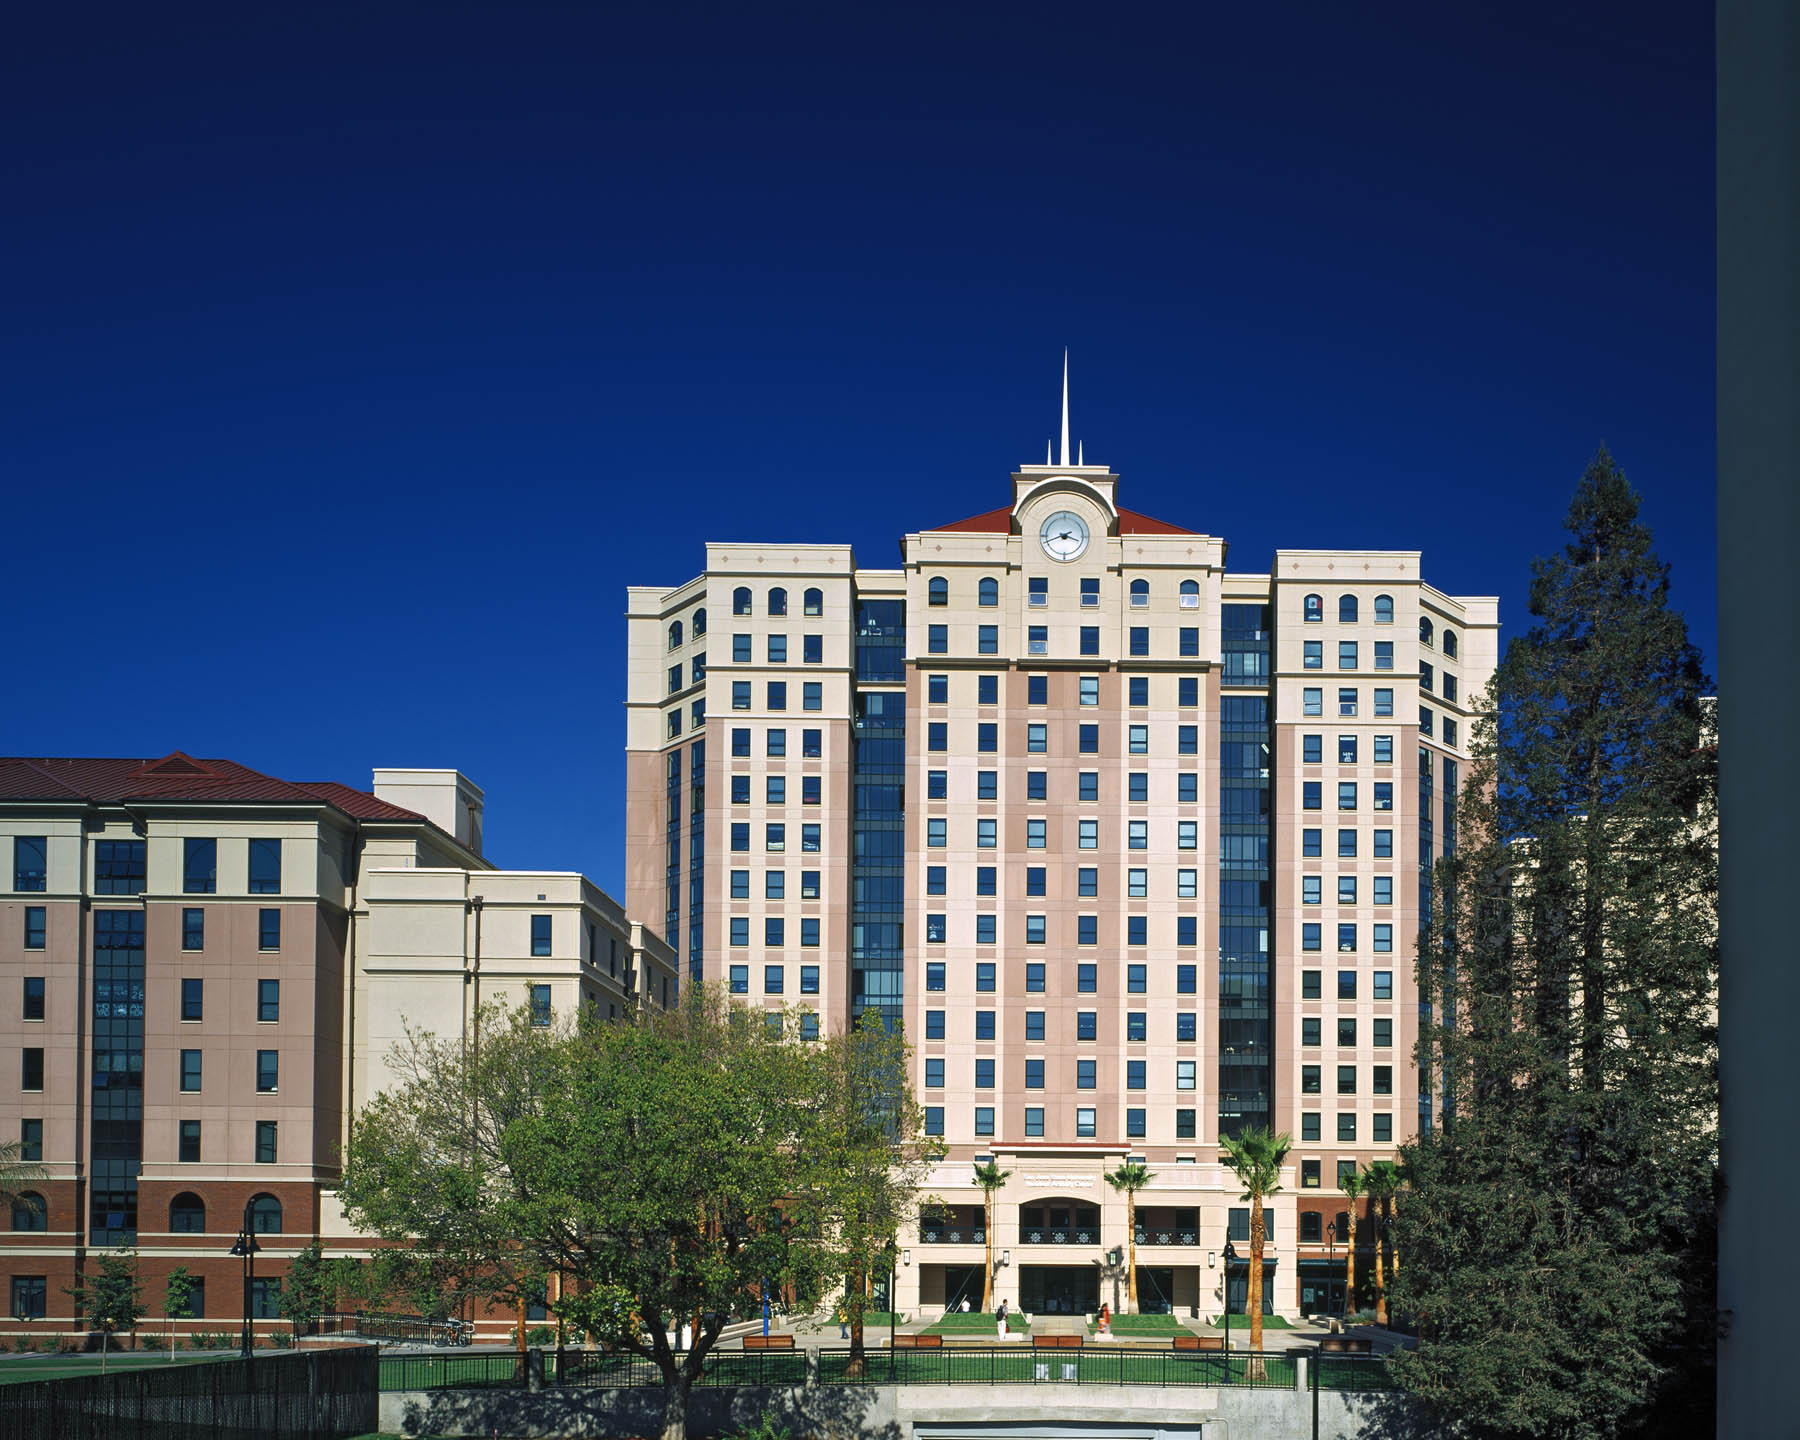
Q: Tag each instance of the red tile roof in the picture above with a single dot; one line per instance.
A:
(178, 776)
(999, 522)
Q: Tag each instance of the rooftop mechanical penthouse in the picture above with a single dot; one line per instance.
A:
(1135, 848)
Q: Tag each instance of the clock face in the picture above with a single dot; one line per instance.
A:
(1064, 536)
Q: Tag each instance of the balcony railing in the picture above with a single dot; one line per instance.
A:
(1073, 1235)
(952, 1235)
(1168, 1237)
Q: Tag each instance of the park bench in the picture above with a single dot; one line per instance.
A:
(919, 1342)
(1345, 1345)
(1191, 1341)
(1056, 1342)
(768, 1342)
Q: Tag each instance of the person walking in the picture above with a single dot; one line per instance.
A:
(1000, 1319)
(843, 1319)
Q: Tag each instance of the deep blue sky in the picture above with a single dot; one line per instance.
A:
(356, 358)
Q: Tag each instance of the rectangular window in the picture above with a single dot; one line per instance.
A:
(1309, 1079)
(934, 1119)
(740, 930)
(1087, 979)
(1311, 795)
(809, 884)
(812, 650)
(1346, 844)
(740, 742)
(775, 838)
(1346, 1079)
(1310, 1031)
(934, 1024)
(1384, 985)
(1346, 749)
(985, 929)
(1034, 1024)
(190, 1069)
(1346, 939)
(1346, 1034)
(810, 747)
(986, 834)
(1384, 654)
(774, 932)
(936, 928)
(1034, 929)
(1187, 928)
(1138, 691)
(809, 978)
(1035, 738)
(809, 932)
(1312, 702)
(1088, 834)
(34, 997)
(1090, 639)
(30, 1297)
(1034, 880)
(1037, 642)
(188, 1143)
(1311, 888)
(1084, 1123)
(265, 867)
(987, 689)
(985, 881)
(777, 695)
(1346, 795)
(1137, 977)
(1138, 739)
(268, 1071)
(987, 737)
(1140, 640)
(1034, 1120)
(1310, 936)
(192, 999)
(984, 1074)
(1384, 890)
(984, 1024)
(1309, 1131)
(1346, 702)
(1185, 1074)
(540, 935)
(1346, 890)
(774, 789)
(1087, 929)
(812, 695)
(1087, 787)
(1384, 844)
(1185, 1022)
(1425, 676)
(1037, 784)
(777, 650)
(268, 929)
(1309, 984)
(1137, 1026)
(740, 974)
(1312, 749)
(1309, 1173)
(1085, 1074)
(265, 1142)
(1346, 1127)
(809, 790)
(1384, 749)
(1088, 692)
(1384, 939)
(1381, 1079)
(934, 1073)
(984, 1119)
(1384, 795)
(1037, 689)
(987, 639)
(1346, 654)
(937, 784)
(1384, 703)
(1381, 1129)
(1034, 977)
(1090, 593)
(199, 867)
(740, 649)
(984, 977)
(1187, 740)
(1189, 642)
(1383, 1037)
(1310, 843)
(774, 979)
(1187, 980)
(1187, 834)
(119, 867)
(1312, 655)
(193, 929)
(937, 639)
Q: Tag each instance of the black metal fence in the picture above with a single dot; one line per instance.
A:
(304, 1395)
(1354, 1372)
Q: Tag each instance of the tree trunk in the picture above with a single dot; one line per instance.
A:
(676, 1386)
(855, 1367)
(1253, 1299)
(1381, 1313)
(1350, 1265)
(1131, 1303)
(987, 1234)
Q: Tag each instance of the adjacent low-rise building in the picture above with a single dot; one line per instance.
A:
(202, 971)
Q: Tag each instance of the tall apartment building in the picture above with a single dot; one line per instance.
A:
(204, 968)
(1135, 847)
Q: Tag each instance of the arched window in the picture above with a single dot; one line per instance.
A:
(265, 1215)
(699, 623)
(187, 1214)
(1449, 638)
(30, 1212)
(1140, 594)
(989, 591)
(1424, 629)
(675, 636)
(1190, 594)
(938, 592)
(740, 600)
(1346, 609)
(1384, 609)
(1313, 608)
(813, 602)
(778, 601)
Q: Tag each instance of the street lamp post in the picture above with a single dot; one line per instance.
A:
(1331, 1265)
(247, 1247)
(1225, 1289)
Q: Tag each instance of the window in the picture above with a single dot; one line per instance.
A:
(540, 934)
(265, 1142)
(1346, 749)
(1140, 640)
(934, 1119)
(775, 744)
(1034, 977)
(1037, 689)
(1346, 941)
(1312, 608)
(30, 872)
(1346, 702)
(987, 640)
(1346, 795)
(1034, 880)
(191, 999)
(1346, 848)
(1037, 642)
(1140, 594)
(1190, 595)
(1138, 737)
(740, 974)
(188, 1144)
(987, 737)
(1425, 676)
(1384, 609)
(984, 1024)
(1087, 929)
(1187, 980)
(937, 784)
(778, 601)
(1449, 638)
(1187, 740)
(1383, 1033)
(1384, 703)
(1381, 1080)
(1312, 701)
(1185, 1074)
(1090, 639)
(268, 1070)
(774, 789)
(1310, 936)
(1346, 889)
(934, 1024)
(1346, 1128)
(1384, 844)
(1384, 890)
(777, 695)
(985, 883)
(984, 1119)
(812, 602)
(937, 639)
(1384, 654)
(190, 1069)
(1034, 1024)
(193, 929)
(1309, 1031)
(1309, 1174)
(34, 927)
(1309, 1079)
(1310, 842)
(1424, 630)
(1037, 785)
(265, 867)
(1136, 978)
(984, 1074)
(1187, 834)
(774, 979)
(1311, 795)
(1085, 1077)
(31, 1140)
(937, 591)
(984, 977)
(1312, 655)
(809, 884)
(1036, 738)
(119, 867)
(812, 695)
(199, 867)
(1382, 1126)
(1449, 731)
(1312, 749)
(30, 1212)
(1346, 1079)
(1137, 834)
(1187, 788)
(1309, 984)
(986, 834)
(1310, 889)
(812, 651)
(934, 1074)
(1346, 609)
(1384, 939)
(1087, 979)
(740, 742)
(775, 838)
(1309, 1131)
(936, 928)
(268, 929)
(1384, 985)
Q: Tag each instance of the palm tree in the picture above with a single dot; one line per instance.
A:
(990, 1177)
(1380, 1181)
(1130, 1177)
(1351, 1183)
(1256, 1156)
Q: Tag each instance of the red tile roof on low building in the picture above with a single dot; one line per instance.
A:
(178, 776)
(999, 522)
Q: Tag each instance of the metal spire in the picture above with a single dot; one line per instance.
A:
(1065, 417)
(1080, 455)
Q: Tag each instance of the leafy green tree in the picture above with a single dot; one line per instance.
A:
(667, 1165)
(178, 1301)
(15, 1171)
(868, 1156)
(1128, 1179)
(307, 1288)
(1255, 1157)
(990, 1177)
(112, 1299)
(1560, 1217)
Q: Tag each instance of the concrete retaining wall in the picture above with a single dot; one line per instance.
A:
(916, 1412)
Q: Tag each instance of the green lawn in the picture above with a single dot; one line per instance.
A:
(17, 1368)
(978, 1323)
(1091, 1366)
(1158, 1325)
(1242, 1322)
